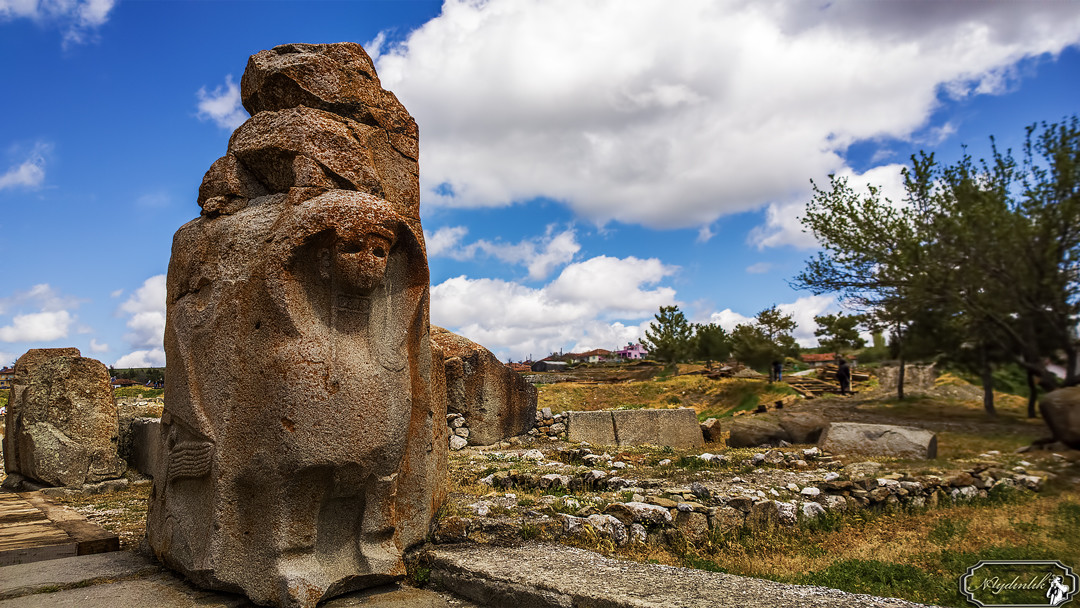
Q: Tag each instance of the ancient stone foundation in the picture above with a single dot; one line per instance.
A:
(61, 421)
(304, 427)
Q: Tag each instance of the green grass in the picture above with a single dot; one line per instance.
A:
(881, 578)
(139, 392)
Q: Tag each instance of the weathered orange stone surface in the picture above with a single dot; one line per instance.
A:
(305, 409)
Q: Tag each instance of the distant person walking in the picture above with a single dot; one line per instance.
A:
(777, 370)
(843, 376)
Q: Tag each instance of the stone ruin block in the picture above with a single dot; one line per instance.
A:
(304, 423)
(61, 423)
(495, 400)
(146, 448)
(596, 428)
(915, 376)
(1061, 411)
(879, 440)
(678, 428)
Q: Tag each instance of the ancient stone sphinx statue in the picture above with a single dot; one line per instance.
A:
(304, 422)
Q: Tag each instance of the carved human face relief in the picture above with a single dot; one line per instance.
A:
(359, 261)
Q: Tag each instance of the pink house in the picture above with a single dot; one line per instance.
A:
(632, 351)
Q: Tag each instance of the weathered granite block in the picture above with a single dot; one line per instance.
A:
(61, 424)
(879, 440)
(146, 446)
(495, 400)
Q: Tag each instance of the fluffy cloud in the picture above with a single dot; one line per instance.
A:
(37, 327)
(98, 347)
(51, 320)
(672, 114)
(803, 311)
(541, 255)
(154, 357)
(587, 305)
(146, 310)
(222, 105)
(782, 220)
(79, 18)
(728, 319)
(28, 173)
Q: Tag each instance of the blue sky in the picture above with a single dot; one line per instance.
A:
(583, 162)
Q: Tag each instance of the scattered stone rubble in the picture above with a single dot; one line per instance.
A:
(586, 493)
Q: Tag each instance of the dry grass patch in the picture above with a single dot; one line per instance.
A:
(916, 555)
(708, 398)
(122, 512)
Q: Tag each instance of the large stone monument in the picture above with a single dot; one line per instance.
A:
(304, 425)
(495, 400)
(61, 420)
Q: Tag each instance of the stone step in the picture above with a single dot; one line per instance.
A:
(543, 575)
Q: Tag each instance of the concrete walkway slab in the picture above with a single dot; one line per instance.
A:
(27, 579)
(545, 575)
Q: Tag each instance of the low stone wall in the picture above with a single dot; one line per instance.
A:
(551, 426)
(459, 431)
(655, 513)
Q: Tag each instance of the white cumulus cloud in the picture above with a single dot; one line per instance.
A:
(803, 311)
(154, 357)
(222, 105)
(671, 114)
(51, 318)
(37, 327)
(146, 315)
(98, 347)
(591, 304)
(540, 255)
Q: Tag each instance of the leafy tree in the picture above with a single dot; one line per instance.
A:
(766, 340)
(668, 338)
(839, 333)
(983, 257)
(711, 343)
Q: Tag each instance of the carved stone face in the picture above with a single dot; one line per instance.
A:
(359, 261)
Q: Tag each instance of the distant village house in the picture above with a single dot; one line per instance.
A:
(632, 351)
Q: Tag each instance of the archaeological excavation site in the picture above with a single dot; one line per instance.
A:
(318, 442)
